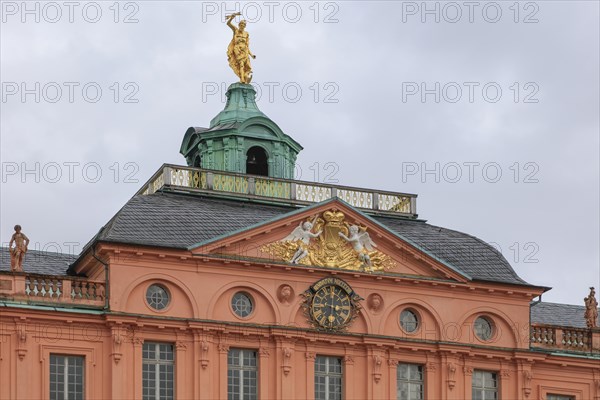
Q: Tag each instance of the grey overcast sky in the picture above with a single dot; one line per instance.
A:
(489, 111)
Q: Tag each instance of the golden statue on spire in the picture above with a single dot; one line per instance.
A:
(238, 51)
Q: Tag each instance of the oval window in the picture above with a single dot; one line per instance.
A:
(157, 297)
(241, 304)
(409, 320)
(483, 328)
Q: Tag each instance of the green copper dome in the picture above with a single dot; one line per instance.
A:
(241, 138)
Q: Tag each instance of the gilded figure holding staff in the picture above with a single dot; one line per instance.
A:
(238, 51)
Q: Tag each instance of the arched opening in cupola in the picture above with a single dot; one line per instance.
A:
(256, 161)
(197, 161)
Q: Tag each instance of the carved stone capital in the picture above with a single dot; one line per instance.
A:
(430, 367)
(180, 345)
(310, 355)
(264, 352)
(223, 348)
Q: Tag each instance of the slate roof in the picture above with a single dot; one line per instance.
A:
(469, 254)
(558, 314)
(178, 221)
(39, 262)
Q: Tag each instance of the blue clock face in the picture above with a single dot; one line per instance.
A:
(331, 307)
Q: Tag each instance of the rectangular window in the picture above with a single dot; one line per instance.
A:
(559, 397)
(410, 382)
(158, 371)
(66, 377)
(242, 375)
(328, 378)
(485, 385)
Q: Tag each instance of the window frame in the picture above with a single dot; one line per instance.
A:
(484, 389)
(559, 396)
(576, 394)
(169, 298)
(490, 321)
(328, 374)
(157, 362)
(66, 394)
(417, 320)
(409, 381)
(241, 368)
(76, 349)
(250, 299)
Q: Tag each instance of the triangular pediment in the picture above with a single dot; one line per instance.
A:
(331, 235)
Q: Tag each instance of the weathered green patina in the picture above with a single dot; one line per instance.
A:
(241, 138)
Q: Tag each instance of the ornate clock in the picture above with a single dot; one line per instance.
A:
(331, 304)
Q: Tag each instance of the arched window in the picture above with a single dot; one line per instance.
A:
(256, 161)
(197, 161)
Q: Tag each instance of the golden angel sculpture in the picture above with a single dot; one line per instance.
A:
(238, 51)
(361, 243)
(301, 235)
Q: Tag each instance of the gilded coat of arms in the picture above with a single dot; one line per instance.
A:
(328, 240)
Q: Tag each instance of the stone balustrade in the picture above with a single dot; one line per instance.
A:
(52, 289)
(565, 338)
(172, 177)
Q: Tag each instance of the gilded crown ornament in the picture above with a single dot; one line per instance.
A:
(328, 240)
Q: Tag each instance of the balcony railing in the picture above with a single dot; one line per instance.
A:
(52, 289)
(564, 338)
(172, 177)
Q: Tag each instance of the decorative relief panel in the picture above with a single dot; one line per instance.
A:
(328, 240)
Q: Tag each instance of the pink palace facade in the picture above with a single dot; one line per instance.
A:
(213, 282)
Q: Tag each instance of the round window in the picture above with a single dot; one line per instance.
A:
(157, 297)
(409, 320)
(483, 328)
(241, 304)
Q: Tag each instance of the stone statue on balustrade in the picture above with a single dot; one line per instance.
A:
(591, 309)
(17, 253)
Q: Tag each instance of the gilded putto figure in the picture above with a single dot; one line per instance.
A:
(361, 243)
(301, 235)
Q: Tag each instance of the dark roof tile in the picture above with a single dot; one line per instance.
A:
(180, 221)
(558, 314)
(39, 262)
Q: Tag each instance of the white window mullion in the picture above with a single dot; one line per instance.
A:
(66, 379)
(241, 365)
(157, 380)
(327, 378)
